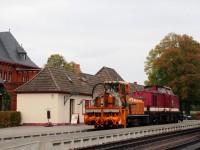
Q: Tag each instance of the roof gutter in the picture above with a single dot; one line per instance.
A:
(23, 69)
(59, 92)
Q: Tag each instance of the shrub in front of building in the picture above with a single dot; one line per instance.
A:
(9, 119)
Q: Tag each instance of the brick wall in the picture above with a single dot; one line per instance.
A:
(14, 76)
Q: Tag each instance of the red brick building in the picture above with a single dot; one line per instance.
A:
(16, 67)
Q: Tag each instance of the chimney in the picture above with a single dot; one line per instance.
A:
(77, 69)
(135, 86)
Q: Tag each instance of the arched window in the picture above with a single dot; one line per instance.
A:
(5, 76)
(1, 75)
(9, 76)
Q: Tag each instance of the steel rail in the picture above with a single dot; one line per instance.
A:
(136, 143)
(186, 144)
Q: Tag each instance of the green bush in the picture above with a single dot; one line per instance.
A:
(9, 119)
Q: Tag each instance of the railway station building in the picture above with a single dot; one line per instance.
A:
(16, 68)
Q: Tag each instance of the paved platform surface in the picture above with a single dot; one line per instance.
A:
(33, 130)
(56, 140)
(30, 130)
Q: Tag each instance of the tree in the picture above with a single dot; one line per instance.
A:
(175, 62)
(56, 60)
(5, 99)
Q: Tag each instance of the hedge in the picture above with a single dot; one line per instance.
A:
(9, 119)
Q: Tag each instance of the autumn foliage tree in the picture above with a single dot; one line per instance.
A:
(56, 60)
(175, 62)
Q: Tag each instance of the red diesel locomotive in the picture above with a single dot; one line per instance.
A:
(160, 104)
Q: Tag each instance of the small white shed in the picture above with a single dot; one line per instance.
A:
(58, 91)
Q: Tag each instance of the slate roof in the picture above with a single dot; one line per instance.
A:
(60, 80)
(108, 74)
(11, 51)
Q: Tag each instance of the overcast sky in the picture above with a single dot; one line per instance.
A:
(96, 33)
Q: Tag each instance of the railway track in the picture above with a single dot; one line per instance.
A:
(168, 141)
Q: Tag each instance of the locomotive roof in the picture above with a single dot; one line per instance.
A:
(158, 86)
(159, 89)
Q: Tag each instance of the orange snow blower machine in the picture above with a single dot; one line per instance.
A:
(112, 106)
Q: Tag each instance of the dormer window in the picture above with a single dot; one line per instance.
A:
(23, 56)
(21, 53)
